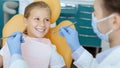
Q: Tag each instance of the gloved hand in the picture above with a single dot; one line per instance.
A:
(71, 37)
(14, 43)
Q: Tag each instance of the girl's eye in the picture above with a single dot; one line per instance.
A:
(37, 19)
(47, 20)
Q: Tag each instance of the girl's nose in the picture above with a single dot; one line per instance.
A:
(41, 23)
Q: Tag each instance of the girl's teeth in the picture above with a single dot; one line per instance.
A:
(40, 30)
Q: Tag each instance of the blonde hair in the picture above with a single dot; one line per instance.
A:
(38, 4)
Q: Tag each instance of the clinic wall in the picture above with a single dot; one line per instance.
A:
(1, 18)
(2, 15)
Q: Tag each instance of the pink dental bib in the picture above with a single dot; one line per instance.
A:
(35, 51)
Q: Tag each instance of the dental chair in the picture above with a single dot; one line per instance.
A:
(16, 24)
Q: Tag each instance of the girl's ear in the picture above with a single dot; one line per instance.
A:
(116, 21)
(25, 21)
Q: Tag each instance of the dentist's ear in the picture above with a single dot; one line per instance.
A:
(116, 21)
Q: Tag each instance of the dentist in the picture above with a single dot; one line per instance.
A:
(106, 24)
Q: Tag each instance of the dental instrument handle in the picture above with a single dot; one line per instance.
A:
(7, 37)
(66, 27)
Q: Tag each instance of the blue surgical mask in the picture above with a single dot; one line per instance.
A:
(102, 36)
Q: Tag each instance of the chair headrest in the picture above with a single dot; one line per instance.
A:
(54, 7)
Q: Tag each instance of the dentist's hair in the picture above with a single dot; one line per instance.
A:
(112, 6)
(38, 4)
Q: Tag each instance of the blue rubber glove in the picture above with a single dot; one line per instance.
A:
(14, 43)
(71, 37)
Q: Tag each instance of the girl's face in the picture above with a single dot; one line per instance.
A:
(38, 22)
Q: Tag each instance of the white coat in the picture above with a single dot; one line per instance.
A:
(19, 64)
(87, 61)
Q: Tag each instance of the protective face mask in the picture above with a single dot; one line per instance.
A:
(105, 36)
